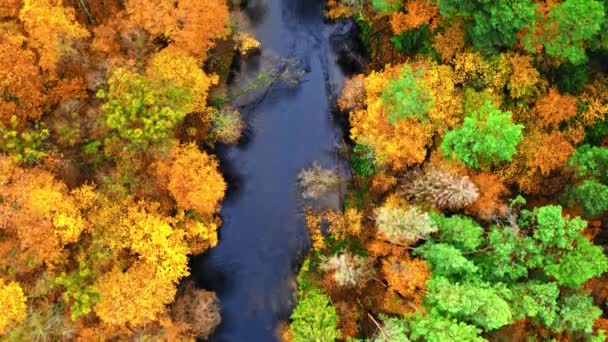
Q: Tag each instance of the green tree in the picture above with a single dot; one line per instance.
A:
(487, 136)
(575, 267)
(492, 24)
(314, 319)
(535, 300)
(577, 313)
(592, 196)
(437, 328)
(477, 303)
(446, 260)
(460, 231)
(407, 96)
(569, 26)
(143, 111)
(590, 161)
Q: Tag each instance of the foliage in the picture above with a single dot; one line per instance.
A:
(315, 182)
(348, 269)
(52, 29)
(569, 26)
(228, 125)
(577, 313)
(197, 308)
(590, 161)
(314, 319)
(570, 78)
(459, 231)
(406, 97)
(362, 160)
(393, 329)
(437, 328)
(446, 260)
(446, 191)
(487, 137)
(78, 290)
(194, 180)
(13, 305)
(386, 6)
(142, 110)
(400, 225)
(24, 147)
(592, 197)
(492, 24)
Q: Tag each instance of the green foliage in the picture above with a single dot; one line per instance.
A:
(406, 97)
(480, 304)
(143, 111)
(460, 231)
(590, 161)
(492, 24)
(597, 132)
(437, 328)
(77, 291)
(416, 40)
(570, 78)
(575, 267)
(386, 6)
(446, 260)
(577, 313)
(553, 230)
(314, 319)
(362, 160)
(535, 300)
(570, 25)
(24, 147)
(592, 196)
(487, 136)
(510, 255)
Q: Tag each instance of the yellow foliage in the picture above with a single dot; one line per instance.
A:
(471, 68)
(183, 70)
(12, 302)
(406, 277)
(401, 145)
(313, 223)
(336, 9)
(201, 234)
(134, 297)
(246, 42)
(52, 29)
(194, 180)
(547, 152)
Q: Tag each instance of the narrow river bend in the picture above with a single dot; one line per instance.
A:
(263, 235)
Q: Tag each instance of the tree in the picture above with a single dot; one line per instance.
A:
(314, 319)
(178, 68)
(479, 304)
(577, 313)
(406, 97)
(459, 231)
(194, 180)
(348, 269)
(492, 24)
(537, 301)
(437, 328)
(12, 301)
(400, 225)
(446, 191)
(592, 197)
(446, 260)
(143, 111)
(569, 26)
(555, 108)
(417, 13)
(488, 136)
(52, 30)
(197, 308)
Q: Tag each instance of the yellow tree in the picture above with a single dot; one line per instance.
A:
(183, 70)
(194, 180)
(12, 302)
(52, 30)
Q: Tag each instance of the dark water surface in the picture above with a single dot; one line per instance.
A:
(263, 236)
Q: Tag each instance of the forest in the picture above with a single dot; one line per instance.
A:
(474, 207)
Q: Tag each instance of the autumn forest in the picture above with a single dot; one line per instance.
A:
(467, 198)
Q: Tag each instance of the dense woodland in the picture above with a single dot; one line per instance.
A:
(104, 189)
(478, 204)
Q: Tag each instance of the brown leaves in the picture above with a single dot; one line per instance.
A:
(418, 13)
(555, 108)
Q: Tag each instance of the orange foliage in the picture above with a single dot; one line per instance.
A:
(418, 13)
(407, 277)
(547, 152)
(450, 42)
(524, 79)
(490, 201)
(21, 83)
(555, 108)
(52, 30)
(194, 180)
(199, 23)
(353, 94)
(9, 8)
(155, 16)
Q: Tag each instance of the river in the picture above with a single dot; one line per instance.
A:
(263, 237)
